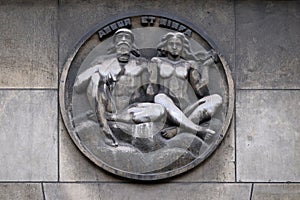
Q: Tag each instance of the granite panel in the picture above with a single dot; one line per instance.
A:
(29, 55)
(268, 44)
(21, 191)
(268, 135)
(28, 131)
(150, 191)
(276, 191)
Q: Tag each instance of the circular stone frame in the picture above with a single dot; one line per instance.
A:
(72, 67)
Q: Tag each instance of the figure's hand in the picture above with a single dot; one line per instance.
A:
(169, 133)
(209, 62)
(209, 134)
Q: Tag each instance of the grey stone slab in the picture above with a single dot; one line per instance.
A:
(178, 191)
(21, 191)
(216, 18)
(74, 166)
(268, 135)
(276, 192)
(28, 132)
(220, 166)
(268, 44)
(29, 56)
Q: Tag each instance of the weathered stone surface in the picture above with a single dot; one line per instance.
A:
(220, 166)
(140, 191)
(96, 12)
(77, 17)
(28, 57)
(268, 135)
(21, 191)
(28, 132)
(74, 166)
(268, 44)
(276, 191)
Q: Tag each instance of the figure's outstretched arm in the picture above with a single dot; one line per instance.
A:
(83, 79)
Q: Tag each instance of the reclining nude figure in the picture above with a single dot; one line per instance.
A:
(171, 78)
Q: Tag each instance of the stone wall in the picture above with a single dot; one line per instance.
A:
(258, 159)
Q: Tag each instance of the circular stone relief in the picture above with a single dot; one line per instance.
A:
(146, 96)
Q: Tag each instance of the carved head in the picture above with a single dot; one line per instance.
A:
(124, 32)
(175, 44)
(123, 44)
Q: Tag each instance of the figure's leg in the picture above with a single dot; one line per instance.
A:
(206, 109)
(177, 116)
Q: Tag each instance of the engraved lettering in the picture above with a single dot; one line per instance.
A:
(181, 28)
(147, 20)
(175, 25)
(166, 23)
(114, 26)
(120, 24)
(127, 22)
(144, 20)
(169, 22)
(151, 20)
(101, 33)
(107, 29)
(163, 22)
(188, 32)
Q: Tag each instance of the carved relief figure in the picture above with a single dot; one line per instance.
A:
(110, 83)
(127, 92)
(176, 75)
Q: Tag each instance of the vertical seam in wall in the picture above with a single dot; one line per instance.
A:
(251, 191)
(58, 81)
(43, 191)
(235, 76)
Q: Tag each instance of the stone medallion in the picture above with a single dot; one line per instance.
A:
(146, 97)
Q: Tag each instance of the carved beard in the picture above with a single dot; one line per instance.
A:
(123, 51)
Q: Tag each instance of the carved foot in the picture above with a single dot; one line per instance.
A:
(110, 139)
(111, 142)
(206, 134)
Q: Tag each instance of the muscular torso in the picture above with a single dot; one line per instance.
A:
(129, 78)
(174, 76)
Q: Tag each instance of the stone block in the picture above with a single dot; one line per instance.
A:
(276, 191)
(28, 131)
(147, 191)
(21, 191)
(267, 44)
(220, 166)
(29, 56)
(78, 17)
(268, 135)
(74, 166)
